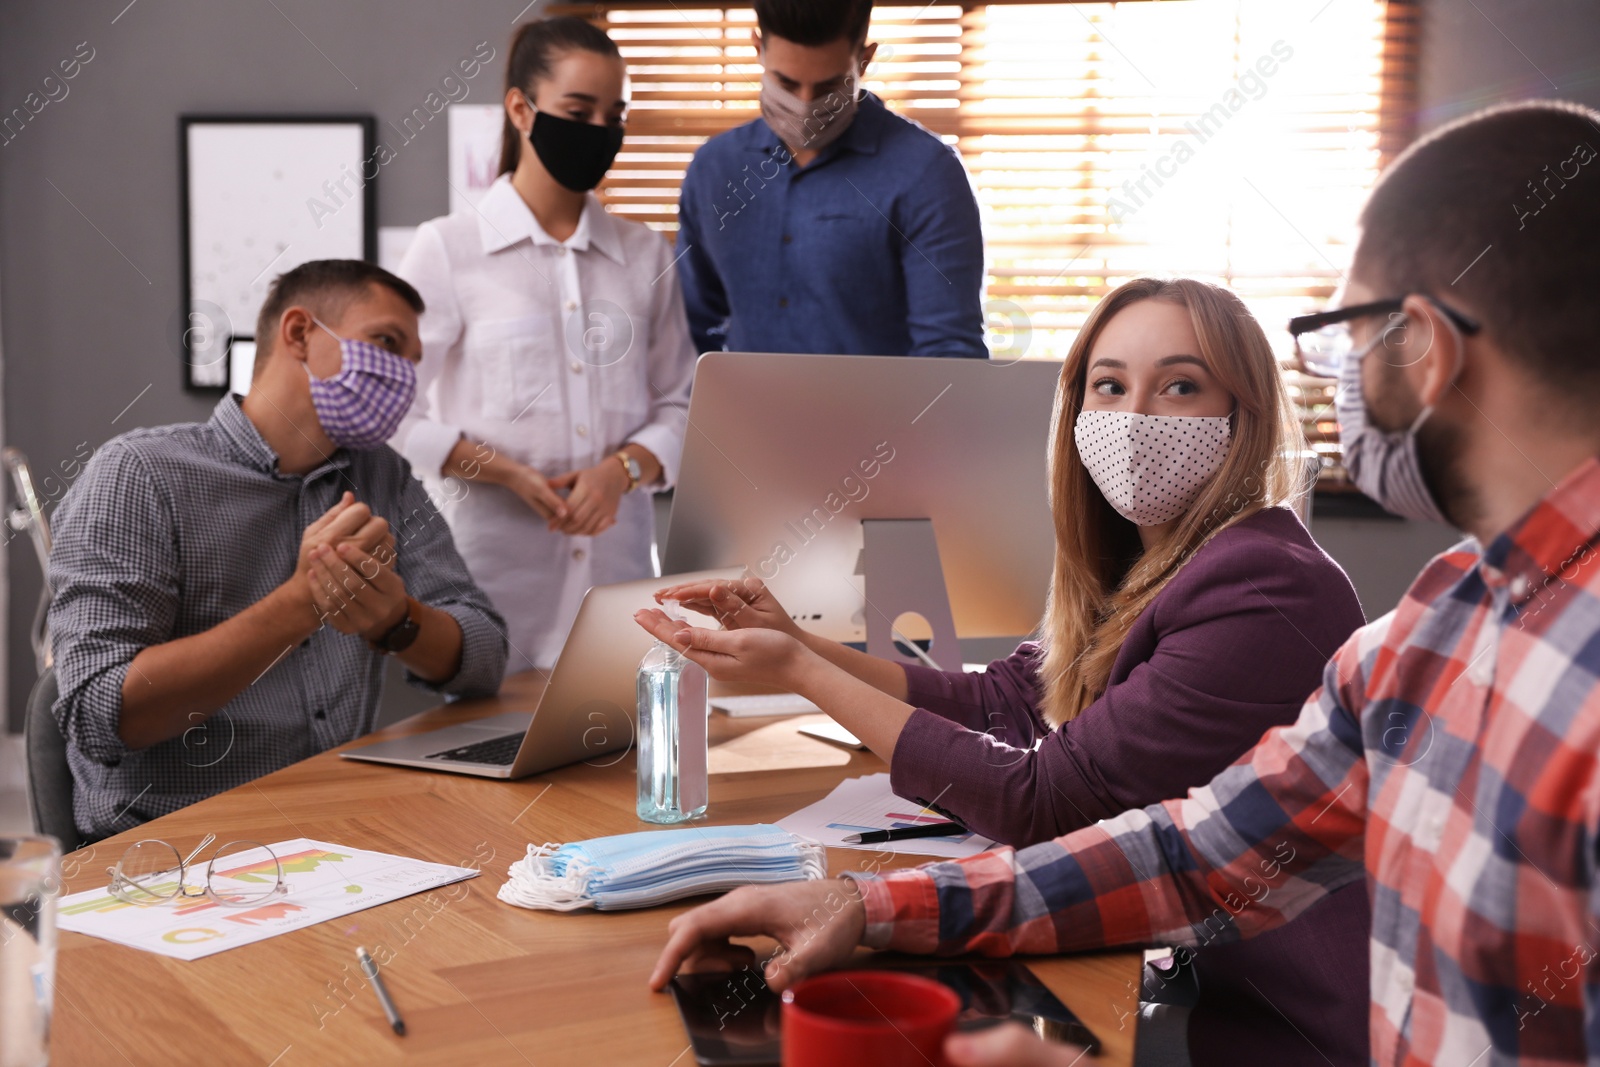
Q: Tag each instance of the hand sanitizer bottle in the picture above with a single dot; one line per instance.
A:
(673, 783)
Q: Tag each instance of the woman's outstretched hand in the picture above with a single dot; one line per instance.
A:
(741, 604)
(759, 656)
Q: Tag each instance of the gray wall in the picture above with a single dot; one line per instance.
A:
(1381, 556)
(89, 258)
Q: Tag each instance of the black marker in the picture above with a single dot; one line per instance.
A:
(906, 833)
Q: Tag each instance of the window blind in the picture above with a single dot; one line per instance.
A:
(1232, 140)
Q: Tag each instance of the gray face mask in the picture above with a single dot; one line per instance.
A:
(1384, 464)
(808, 127)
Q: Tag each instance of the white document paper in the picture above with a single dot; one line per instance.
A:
(858, 805)
(325, 882)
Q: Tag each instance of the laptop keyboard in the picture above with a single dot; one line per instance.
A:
(496, 752)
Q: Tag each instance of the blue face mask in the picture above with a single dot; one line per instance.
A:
(654, 866)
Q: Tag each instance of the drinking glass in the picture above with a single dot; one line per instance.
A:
(30, 884)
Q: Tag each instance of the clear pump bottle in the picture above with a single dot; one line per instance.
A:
(673, 782)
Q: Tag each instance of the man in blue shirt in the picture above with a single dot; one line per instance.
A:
(830, 224)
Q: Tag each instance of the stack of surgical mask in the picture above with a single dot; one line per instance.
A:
(654, 866)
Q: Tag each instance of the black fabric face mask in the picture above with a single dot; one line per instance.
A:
(577, 154)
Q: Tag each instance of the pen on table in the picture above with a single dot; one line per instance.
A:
(370, 969)
(906, 833)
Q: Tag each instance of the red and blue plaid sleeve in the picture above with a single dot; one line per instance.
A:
(1265, 840)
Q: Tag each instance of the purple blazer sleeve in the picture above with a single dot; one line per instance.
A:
(1002, 701)
(1230, 648)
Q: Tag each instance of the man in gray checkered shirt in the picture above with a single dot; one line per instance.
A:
(226, 591)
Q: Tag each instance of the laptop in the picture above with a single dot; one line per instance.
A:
(589, 706)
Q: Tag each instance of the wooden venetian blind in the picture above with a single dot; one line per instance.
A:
(1232, 140)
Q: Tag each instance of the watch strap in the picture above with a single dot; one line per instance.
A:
(402, 634)
(630, 466)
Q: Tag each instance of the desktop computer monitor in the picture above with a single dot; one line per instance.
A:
(790, 461)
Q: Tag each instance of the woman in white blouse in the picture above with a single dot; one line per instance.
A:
(554, 384)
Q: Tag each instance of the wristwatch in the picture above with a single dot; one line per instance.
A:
(631, 465)
(401, 635)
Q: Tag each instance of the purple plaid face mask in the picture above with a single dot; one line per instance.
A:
(362, 405)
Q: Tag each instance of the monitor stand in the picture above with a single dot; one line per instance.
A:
(900, 565)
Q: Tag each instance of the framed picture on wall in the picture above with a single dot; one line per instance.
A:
(263, 194)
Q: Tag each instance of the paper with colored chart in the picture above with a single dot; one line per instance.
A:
(325, 882)
(858, 805)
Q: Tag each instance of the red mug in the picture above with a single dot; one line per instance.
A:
(867, 1019)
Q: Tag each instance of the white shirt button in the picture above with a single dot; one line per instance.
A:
(1519, 587)
(581, 430)
(1405, 982)
(572, 305)
(561, 250)
(577, 368)
(578, 554)
(1482, 668)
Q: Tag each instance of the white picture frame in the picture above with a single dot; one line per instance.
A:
(261, 195)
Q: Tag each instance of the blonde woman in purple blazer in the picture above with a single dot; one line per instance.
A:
(1190, 611)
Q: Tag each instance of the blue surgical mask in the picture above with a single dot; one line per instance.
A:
(655, 866)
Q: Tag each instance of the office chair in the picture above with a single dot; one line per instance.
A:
(49, 776)
(27, 515)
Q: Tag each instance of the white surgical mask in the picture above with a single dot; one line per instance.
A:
(808, 127)
(651, 867)
(1384, 464)
(1151, 467)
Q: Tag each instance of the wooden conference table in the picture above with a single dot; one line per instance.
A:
(477, 980)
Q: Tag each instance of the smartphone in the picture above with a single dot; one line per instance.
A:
(734, 1020)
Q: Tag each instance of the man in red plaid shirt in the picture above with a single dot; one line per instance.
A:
(1452, 756)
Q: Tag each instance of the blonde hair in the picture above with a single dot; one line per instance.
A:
(1102, 580)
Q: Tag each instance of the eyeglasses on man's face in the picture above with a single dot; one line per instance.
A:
(1323, 341)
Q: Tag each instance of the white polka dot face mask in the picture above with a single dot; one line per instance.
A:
(1150, 467)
